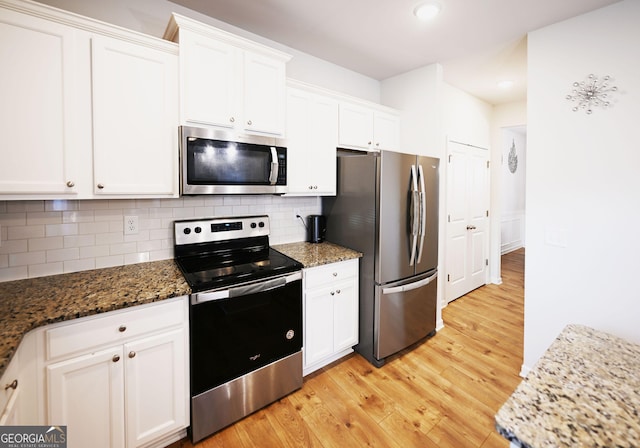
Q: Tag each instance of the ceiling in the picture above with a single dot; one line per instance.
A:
(478, 42)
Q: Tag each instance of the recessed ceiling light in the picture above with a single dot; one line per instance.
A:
(427, 11)
(505, 84)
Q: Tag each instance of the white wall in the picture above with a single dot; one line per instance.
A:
(152, 16)
(583, 182)
(513, 189)
(467, 119)
(504, 115)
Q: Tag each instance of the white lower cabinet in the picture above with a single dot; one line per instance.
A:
(330, 313)
(127, 390)
(10, 388)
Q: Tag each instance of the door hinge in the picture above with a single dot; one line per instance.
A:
(486, 262)
(488, 164)
(448, 277)
(487, 213)
(448, 218)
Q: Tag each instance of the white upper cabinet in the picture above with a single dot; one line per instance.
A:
(368, 127)
(312, 138)
(88, 110)
(135, 119)
(228, 82)
(39, 104)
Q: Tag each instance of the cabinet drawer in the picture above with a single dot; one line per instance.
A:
(330, 273)
(112, 328)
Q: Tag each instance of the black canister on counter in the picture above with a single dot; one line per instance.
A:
(316, 228)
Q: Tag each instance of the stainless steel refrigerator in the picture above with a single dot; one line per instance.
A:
(387, 208)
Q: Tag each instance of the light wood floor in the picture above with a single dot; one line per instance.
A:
(443, 393)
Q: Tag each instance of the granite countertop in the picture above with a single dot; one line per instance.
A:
(317, 254)
(583, 392)
(31, 303)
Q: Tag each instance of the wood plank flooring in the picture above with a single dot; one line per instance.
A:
(443, 393)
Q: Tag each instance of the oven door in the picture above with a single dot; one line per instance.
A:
(240, 329)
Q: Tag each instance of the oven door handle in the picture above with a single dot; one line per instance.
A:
(244, 290)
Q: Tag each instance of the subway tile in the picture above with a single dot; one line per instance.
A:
(14, 246)
(109, 238)
(85, 228)
(79, 240)
(42, 270)
(108, 215)
(27, 258)
(61, 205)
(18, 233)
(13, 219)
(25, 206)
(148, 246)
(14, 273)
(142, 235)
(94, 251)
(34, 218)
(79, 265)
(61, 229)
(70, 253)
(110, 261)
(97, 204)
(55, 242)
(78, 216)
(4, 261)
(164, 254)
(139, 257)
(122, 248)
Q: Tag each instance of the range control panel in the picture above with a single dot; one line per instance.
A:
(194, 231)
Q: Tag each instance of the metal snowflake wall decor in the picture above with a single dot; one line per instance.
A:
(592, 92)
(513, 157)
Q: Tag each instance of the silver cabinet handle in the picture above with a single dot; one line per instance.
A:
(335, 274)
(332, 293)
(249, 122)
(12, 385)
(71, 184)
(132, 354)
(100, 186)
(232, 120)
(471, 227)
(115, 358)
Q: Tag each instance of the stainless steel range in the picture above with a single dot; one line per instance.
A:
(245, 319)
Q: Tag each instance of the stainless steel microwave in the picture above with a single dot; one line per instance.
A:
(210, 163)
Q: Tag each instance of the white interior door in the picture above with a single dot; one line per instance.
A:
(467, 218)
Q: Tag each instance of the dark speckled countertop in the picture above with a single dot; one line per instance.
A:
(583, 392)
(316, 254)
(32, 303)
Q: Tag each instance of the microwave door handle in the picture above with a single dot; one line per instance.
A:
(273, 175)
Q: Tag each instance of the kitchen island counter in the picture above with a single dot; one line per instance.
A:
(583, 392)
(317, 254)
(32, 303)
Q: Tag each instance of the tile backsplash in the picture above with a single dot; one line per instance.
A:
(39, 238)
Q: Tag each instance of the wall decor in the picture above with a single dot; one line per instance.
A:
(513, 158)
(592, 92)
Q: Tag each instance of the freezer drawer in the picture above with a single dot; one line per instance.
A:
(405, 313)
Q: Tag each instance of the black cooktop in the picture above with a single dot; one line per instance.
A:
(221, 252)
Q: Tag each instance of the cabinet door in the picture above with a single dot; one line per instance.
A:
(356, 126)
(345, 315)
(209, 80)
(86, 394)
(135, 98)
(386, 131)
(264, 94)
(318, 325)
(10, 387)
(312, 128)
(38, 89)
(156, 386)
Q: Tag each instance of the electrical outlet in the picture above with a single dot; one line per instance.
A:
(130, 225)
(296, 213)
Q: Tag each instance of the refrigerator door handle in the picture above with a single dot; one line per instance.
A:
(410, 286)
(423, 212)
(415, 214)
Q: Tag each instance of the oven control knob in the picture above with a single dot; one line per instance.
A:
(261, 224)
(253, 225)
(290, 334)
(198, 229)
(187, 230)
